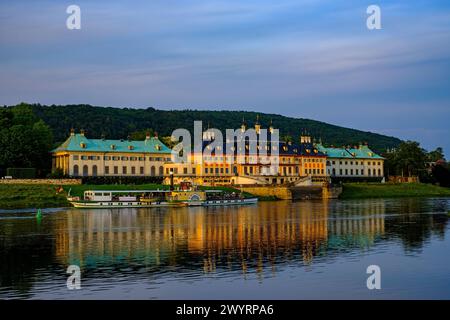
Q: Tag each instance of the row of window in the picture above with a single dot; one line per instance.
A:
(114, 170)
(314, 171)
(357, 172)
(357, 163)
(118, 158)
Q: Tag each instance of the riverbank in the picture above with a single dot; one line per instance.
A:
(391, 190)
(23, 196)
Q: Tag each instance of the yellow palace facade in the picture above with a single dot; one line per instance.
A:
(295, 162)
(80, 156)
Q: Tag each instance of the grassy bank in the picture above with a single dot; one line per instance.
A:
(44, 196)
(30, 196)
(388, 190)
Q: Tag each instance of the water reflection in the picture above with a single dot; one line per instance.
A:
(195, 242)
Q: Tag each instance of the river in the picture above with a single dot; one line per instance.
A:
(273, 250)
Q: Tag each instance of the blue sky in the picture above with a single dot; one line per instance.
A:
(304, 58)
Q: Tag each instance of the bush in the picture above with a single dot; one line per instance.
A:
(21, 173)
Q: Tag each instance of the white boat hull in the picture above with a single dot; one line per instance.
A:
(121, 204)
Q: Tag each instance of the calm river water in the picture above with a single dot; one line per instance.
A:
(273, 250)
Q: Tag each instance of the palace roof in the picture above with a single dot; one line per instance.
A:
(80, 143)
(362, 152)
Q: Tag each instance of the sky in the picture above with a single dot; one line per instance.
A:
(311, 59)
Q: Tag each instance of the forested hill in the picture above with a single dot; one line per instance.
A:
(116, 123)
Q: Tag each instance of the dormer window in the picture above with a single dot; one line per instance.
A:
(158, 147)
(113, 147)
(83, 145)
(130, 147)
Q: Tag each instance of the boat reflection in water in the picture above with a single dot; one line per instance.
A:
(239, 238)
(263, 249)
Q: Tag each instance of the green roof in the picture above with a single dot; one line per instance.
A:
(363, 152)
(79, 143)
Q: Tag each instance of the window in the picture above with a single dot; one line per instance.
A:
(141, 158)
(94, 170)
(84, 157)
(133, 158)
(124, 170)
(141, 170)
(85, 170)
(351, 172)
(334, 162)
(133, 170)
(116, 158)
(75, 157)
(194, 171)
(206, 170)
(106, 158)
(356, 171)
(124, 158)
(153, 171)
(161, 170)
(379, 172)
(185, 170)
(116, 170)
(106, 169)
(340, 172)
(346, 172)
(75, 170)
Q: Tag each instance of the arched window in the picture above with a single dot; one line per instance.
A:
(379, 172)
(334, 171)
(85, 171)
(161, 171)
(75, 170)
(153, 171)
(94, 170)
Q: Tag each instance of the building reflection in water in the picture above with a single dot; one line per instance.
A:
(240, 238)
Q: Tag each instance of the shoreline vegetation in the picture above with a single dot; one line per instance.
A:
(45, 196)
(392, 190)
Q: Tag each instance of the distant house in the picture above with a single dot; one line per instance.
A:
(81, 156)
(353, 164)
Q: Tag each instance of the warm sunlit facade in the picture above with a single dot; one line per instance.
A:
(296, 161)
(80, 156)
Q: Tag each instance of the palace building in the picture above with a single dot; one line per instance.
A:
(295, 162)
(357, 163)
(81, 156)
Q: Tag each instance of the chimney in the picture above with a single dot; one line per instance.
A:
(147, 135)
(72, 132)
(82, 132)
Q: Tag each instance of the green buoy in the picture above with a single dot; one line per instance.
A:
(39, 214)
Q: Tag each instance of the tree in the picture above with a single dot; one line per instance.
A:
(25, 140)
(407, 160)
(436, 155)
